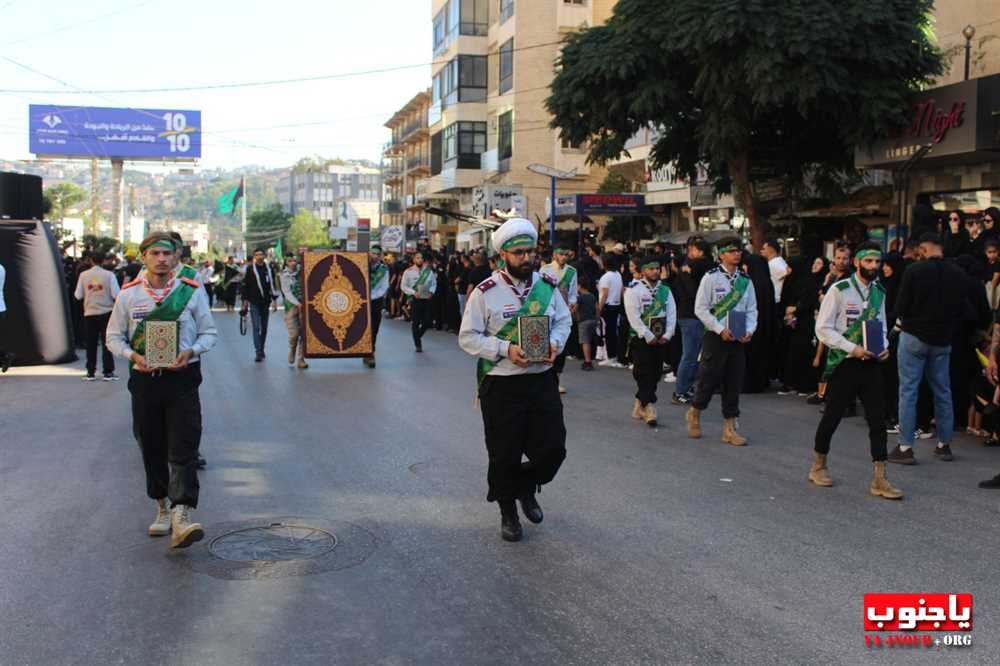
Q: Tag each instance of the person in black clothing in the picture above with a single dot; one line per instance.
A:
(892, 278)
(758, 349)
(801, 300)
(956, 238)
(478, 273)
(258, 293)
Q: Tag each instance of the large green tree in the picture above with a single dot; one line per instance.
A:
(63, 197)
(266, 226)
(753, 89)
(307, 230)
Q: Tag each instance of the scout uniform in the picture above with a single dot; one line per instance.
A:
(419, 284)
(845, 308)
(644, 302)
(566, 279)
(378, 276)
(291, 296)
(522, 411)
(166, 410)
(720, 293)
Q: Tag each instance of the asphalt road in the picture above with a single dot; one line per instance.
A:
(655, 549)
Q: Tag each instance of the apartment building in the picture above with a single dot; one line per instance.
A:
(326, 192)
(494, 63)
(406, 160)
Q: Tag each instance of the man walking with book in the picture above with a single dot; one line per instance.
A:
(652, 316)
(852, 325)
(166, 409)
(565, 276)
(419, 284)
(518, 389)
(727, 306)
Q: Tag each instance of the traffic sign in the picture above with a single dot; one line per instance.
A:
(551, 172)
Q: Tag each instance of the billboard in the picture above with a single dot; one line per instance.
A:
(88, 131)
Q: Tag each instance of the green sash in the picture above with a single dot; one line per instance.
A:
(378, 274)
(169, 309)
(424, 274)
(567, 278)
(656, 307)
(722, 309)
(536, 304)
(189, 273)
(876, 295)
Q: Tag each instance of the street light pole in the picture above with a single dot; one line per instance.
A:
(968, 32)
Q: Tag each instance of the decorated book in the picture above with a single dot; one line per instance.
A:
(161, 343)
(658, 326)
(533, 332)
(737, 324)
(873, 337)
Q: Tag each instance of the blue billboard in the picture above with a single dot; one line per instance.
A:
(89, 131)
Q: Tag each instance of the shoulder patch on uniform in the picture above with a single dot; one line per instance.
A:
(714, 269)
(486, 285)
(548, 278)
(633, 283)
(842, 285)
(133, 283)
(193, 283)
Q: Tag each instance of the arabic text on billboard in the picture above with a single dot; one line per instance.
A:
(610, 204)
(77, 131)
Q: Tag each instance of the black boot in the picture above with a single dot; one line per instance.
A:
(530, 508)
(510, 526)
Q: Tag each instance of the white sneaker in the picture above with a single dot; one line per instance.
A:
(920, 434)
(89, 378)
(608, 363)
(161, 525)
(184, 531)
(670, 378)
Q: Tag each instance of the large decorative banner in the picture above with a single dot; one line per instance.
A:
(337, 313)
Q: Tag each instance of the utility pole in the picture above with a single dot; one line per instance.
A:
(117, 167)
(95, 195)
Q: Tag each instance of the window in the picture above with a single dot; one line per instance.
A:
(461, 80)
(465, 17)
(505, 137)
(575, 2)
(569, 145)
(506, 9)
(440, 29)
(507, 66)
(475, 18)
(463, 143)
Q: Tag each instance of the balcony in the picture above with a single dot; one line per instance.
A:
(414, 131)
(392, 207)
(412, 203)
(418, 164)
(392, 171)
(393, 147)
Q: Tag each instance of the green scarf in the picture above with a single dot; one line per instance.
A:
(567, 278)
(537, 303)
(169, 309)
(656, 307)
(722, 309)
(378, 274)
(876, 295)
(425, 273)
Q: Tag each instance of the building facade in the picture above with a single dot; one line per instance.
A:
(493, 65)
(323, 193)
(406, 160)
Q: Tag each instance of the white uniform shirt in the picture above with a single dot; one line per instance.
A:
(491, 305)
(287, 279)
(3, 281)
(196, 326)
(638, 297)
(716, 285)
(98, 289)
(382, 287)
(841, 307)
(612, 281)
(571, 292)
(778, 268)
(410, 277)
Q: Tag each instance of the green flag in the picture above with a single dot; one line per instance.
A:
(278, 254)
(227, 202)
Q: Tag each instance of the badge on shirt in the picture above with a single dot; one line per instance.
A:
(510, 310)
(140, 312)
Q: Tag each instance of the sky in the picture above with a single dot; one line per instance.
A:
(104, 45)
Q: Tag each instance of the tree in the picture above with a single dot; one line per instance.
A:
(752, 89)
(266, 226)
(63, 197)
(307, 230)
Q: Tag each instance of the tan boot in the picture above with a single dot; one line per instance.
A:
(161, 524)
(729, 434)
(185, 532)
(693, 418)
(880, 484)
(649, 415)
(291, 350)
(637, 410)
(818, 473)
(302, 364)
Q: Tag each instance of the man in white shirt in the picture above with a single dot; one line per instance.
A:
(166, 408)
(98, 288)
(419, 283)
(378, 278)
(522, 410)
(777, 266)
(6, 357)
(609, 307)
(291, 295)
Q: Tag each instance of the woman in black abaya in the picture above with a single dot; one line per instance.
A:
(758, 349)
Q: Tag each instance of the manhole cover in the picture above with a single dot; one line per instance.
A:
(265, 548)
(278, 542)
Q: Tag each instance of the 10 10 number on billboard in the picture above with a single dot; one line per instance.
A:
(177, 132)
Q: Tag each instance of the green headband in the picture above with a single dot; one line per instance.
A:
(524, 240)
(651, 264)
(164, 243)
(864, 254)
(560, 250)
(728, 248)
